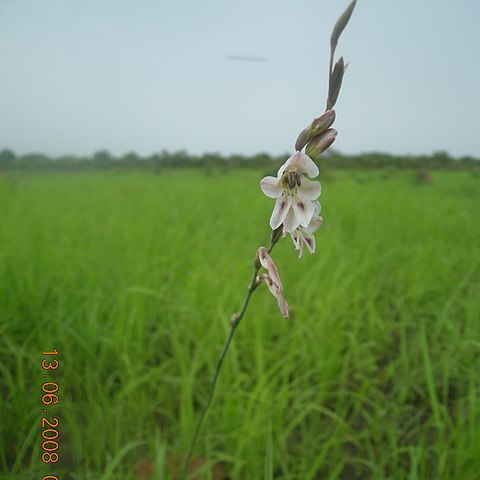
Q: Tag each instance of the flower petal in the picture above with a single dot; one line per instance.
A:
(291, 221)
(309, 242)
(304, 164)
(300, 250)
(282, 206)
(296, 239)
(285, 166)
(315, 224)
(282, 305)
(271, 187)
(303, 211)
(308, 190)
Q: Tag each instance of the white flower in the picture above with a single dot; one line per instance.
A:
(305, 234)
(295, 194)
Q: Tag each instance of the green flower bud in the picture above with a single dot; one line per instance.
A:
(319, 125)
(322, 123)
(320, 143)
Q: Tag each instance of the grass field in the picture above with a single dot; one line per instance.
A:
(132, 278)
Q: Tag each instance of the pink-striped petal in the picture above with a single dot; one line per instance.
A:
(309, 242)
(309, 190)
(297, 239)
(291, 221)
(282, 206)
(303, 211)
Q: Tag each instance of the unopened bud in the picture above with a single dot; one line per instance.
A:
(234, 319)
(336, 78)
(303, 138)
(322, 123)
(320, 143)
(318, 126)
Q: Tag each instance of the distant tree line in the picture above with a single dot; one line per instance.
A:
(103, 160)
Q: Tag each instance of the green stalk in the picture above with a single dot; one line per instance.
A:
(236, 318)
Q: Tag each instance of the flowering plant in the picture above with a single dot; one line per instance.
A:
(297, 209)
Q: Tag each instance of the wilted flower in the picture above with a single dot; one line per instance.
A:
(295, 194)
(304, 235)
(272, 279)
(282, 303)
(266, 261)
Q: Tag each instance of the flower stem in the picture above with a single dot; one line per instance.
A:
(213, 383)
(234, 322)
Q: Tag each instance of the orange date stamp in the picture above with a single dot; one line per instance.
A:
(49, 424)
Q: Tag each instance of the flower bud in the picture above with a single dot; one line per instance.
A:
(336, 78)
(303, 138)
(322, 123)
(319, 125)
(234, 319)
(320, 143)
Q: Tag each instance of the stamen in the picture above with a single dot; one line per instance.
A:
(291, 180)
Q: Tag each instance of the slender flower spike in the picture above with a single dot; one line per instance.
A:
(295, 194)
(304, 235)
(296, 211)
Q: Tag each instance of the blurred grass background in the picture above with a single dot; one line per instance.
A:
(133, 276)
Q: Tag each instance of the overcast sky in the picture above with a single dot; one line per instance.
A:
(83, 75)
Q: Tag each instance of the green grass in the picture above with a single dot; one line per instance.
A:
(133, 277)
